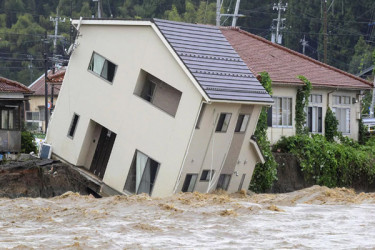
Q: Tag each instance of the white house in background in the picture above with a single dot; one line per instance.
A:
(158, 107)
(333, 88)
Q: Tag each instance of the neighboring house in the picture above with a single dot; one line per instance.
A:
(333, 88)
(158, 107)
(35, 106)
(12, 97)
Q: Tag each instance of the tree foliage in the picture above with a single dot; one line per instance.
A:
(24, 22)
(331, 125)
(264, 174)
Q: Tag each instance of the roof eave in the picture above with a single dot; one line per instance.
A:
(242, 102)
(286, 84)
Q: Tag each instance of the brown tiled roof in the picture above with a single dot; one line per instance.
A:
(285, 65)
(10, 86)
(38, 85)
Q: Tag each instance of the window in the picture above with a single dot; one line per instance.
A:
(223, 182)
(102, 67)
(200, 116)
(206, 174)
(241, 183)
(223, 122)
(282, 112)
(32, 116)
(8, 119)
(315, 99)
(242, 122)
(314, 119)
(341, 100)
(142, 174)
(189, 183)
(343, 116)
(73, 126)
(159, 93)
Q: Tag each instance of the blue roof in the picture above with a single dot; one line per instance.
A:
(213, 62)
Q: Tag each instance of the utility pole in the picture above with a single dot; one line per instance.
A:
(56, 20)
(100, 8)
(325, 31)
(218, 14)
(30, 57)
(304, 44)
(280, 22)
(235, 15)
(45, 82)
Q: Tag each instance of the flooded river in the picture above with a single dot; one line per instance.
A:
(317, 218)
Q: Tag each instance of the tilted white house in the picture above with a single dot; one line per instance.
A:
(158, 107)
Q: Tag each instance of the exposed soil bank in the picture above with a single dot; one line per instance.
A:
(40, 178)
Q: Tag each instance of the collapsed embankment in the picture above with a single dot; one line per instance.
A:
(41, 178)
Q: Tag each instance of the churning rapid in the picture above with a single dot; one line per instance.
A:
(315, 217)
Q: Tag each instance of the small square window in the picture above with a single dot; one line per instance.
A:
(73, 125)
(242, 122)
(207, 175)
(102, 67)
(223, 122)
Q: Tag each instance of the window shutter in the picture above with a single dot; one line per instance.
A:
(269, 117)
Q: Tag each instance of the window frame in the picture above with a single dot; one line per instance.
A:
(206, 175)
(195, 183)
(15, 126)
(71, 126)
(341, 108)
(223, 181)
(134, 162)
(220, 130)
(159, 86)
(101, 72)
(240, 126)
(276, 111)
(32, 116)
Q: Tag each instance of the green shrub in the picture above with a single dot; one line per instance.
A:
(329, 163)
(27, 142)
(264, 174)
(331, 125)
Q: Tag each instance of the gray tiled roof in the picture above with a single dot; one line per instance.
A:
(213, 62)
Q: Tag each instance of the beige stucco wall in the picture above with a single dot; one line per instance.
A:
(36, 102)
(209, 149)
(275, 133)
(137, 123)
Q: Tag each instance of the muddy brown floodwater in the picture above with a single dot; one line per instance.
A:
(316, 218)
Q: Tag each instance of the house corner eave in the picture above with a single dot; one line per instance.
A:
(257, 150)
(180, 62)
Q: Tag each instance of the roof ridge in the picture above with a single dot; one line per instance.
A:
(298, 54)
(15, 84)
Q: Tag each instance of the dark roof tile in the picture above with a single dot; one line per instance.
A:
(213, 62)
